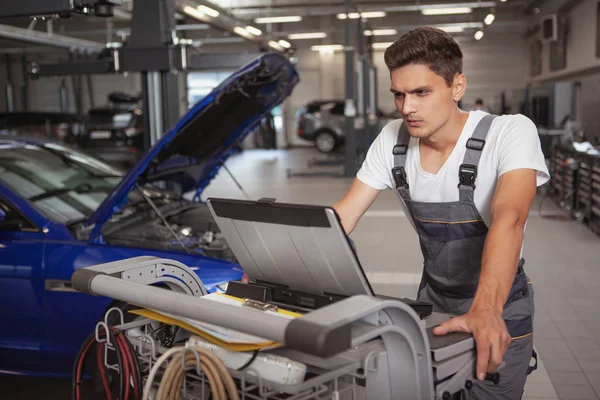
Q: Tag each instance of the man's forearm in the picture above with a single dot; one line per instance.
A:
(499, 263)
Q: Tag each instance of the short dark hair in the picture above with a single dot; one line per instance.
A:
(430, 46)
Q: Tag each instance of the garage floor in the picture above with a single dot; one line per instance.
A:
(562, 261)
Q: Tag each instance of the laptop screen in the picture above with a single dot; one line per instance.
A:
(302, 247)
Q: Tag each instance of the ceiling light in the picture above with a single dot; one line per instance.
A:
(478, 35)
(368, 33)
(354, 15)
(267, 20)
(451, 29)
(307, 35)
(275, 45)
(382, 45)
(445, 11)
(242, 32)
(254, 31)
(327, 47)
(503, 1)
(285, 43)
(373, 14)
(194, 13)
(342, 16)
(384, 32)
(208, 11)
(489, 19)
(463, 25)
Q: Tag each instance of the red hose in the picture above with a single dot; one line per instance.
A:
(100, 357)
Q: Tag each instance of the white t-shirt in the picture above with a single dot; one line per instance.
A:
(511, 143)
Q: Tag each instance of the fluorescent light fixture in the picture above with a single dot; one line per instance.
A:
(502, 1)
(208, 11)
(274, 20)
(342, 16)
(382, 45)
(452, 29)
(327, 47)
(354, 15)
(489, 19)
(373, 14)
(383, 32)
(368, 33)
(242, 32)
(254, 31)
(478, 35)
(446, 11)
(285, 44)
(194, 13)
(307, 35)
(275, 45)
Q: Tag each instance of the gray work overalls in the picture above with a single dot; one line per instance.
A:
(452, 236)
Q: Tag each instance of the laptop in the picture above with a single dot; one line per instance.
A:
(296, 255)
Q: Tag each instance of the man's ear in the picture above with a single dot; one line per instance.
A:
(459, 87)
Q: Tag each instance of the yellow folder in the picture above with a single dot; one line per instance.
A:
(224, 337)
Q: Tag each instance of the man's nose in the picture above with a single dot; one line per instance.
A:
(408, 106)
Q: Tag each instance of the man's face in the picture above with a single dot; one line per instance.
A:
(423, 98)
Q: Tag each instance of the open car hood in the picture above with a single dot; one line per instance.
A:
(192, 152)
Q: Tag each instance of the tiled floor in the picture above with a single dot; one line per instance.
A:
(562, 259)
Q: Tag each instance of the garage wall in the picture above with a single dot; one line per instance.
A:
(580, 44)
(492, 66)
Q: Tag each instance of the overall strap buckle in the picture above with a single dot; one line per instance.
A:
(467, 173)
(400, 149)
(475, 144)
(399, 174)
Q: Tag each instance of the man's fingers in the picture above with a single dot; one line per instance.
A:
(456, 324)
(483, 358)
(496, 354)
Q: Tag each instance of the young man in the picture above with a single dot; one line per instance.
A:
(466, 181)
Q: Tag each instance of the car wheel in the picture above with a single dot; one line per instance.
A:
(325, 142)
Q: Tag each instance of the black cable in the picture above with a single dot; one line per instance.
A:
(250, 361)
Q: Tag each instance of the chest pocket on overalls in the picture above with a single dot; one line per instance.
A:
(450, 245)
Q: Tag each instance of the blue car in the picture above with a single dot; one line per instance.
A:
(61, 210)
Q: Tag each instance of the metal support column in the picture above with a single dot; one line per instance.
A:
(373, 106)
(350, 108)
(154, 106)
(160, 87)
(25, 85)
(10, 92)
(170, 100)
(64, 96)
(363, 96)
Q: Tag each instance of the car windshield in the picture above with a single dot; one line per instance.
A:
(64, 185)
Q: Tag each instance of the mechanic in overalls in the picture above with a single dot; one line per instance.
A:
(466, 181)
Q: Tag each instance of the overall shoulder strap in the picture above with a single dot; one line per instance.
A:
(467, 172)
(399, 151)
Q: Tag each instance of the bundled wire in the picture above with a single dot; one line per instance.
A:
(221, 383)
(128, 367)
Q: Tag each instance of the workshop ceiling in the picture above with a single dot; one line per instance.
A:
(325, 20)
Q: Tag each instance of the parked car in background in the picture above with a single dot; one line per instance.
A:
(323, 122)
(61, 210)
(115, 133)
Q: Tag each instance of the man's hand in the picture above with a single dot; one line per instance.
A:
(490, 334)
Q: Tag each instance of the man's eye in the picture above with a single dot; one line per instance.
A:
(399, 95)
(422, 92)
